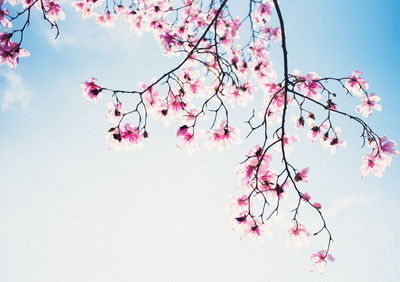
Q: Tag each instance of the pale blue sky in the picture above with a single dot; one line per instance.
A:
(70, 210)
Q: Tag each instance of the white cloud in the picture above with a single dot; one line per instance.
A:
(344, 203)
(16, 93)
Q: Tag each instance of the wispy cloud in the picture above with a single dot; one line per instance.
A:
(345, 203)
(15, 94)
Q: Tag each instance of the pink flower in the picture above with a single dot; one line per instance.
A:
(247, 170)
(373, 163)
(239, 204)
(317, 205)
(91, 91)
(288, 143)
(302, 175)
(334, 143)
(131, 137)
(387, 146)
(320, 260)
(316, 131)
(368, 103)
(240, 95)
(299, 121)
(3, 21)
(223, 136)
(114, 114)
(189, 140)
(306, 197)
(377, 161)
(10, 52)
(298, 235)
(356, 84)
(106, 20)
(309, 84)
(53, 11)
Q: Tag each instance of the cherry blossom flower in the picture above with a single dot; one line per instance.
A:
(320, 260)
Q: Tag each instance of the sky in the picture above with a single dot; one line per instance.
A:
(72, 210)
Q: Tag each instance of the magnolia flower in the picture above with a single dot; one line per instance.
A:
(302, 175)
(10, 52)
(53, 11)
(114, 113)
(91, 91)
(298, 235)
(356, 84)
(223, 136)
(320, 260)
(368, 103)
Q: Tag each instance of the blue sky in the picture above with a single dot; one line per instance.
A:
(71, 210)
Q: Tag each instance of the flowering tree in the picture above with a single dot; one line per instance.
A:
(224, 64)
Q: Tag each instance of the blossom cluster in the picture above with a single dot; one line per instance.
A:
(11, 51)
(222, 68)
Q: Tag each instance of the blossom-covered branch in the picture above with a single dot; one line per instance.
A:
(13, 25)
(224, 66)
